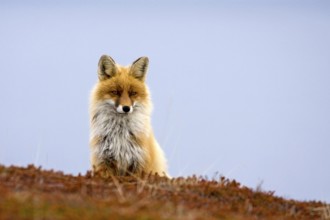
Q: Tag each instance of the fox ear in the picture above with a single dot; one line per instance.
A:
(139, 68)
(107, 67)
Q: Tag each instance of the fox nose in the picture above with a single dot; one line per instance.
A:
(126, 109)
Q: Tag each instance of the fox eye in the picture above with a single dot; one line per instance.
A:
(132, 93)
(114, 92)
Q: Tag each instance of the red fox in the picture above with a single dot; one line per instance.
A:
(121, 137)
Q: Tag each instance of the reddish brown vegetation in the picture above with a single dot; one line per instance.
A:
(32, 193)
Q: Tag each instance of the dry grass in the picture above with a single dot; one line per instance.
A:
(33, 193)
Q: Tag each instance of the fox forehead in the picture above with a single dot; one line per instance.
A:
(122, 82)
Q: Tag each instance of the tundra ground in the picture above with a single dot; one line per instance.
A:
(33, 193)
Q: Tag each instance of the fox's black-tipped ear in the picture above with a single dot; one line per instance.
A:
(139, 68)
(107, 67)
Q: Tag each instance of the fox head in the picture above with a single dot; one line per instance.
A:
(123, 87)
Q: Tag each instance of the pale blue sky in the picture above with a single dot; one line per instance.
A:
(239, 87)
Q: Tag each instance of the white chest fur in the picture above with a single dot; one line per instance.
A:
(117, 136)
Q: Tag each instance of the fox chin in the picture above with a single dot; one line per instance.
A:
(121, 137)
